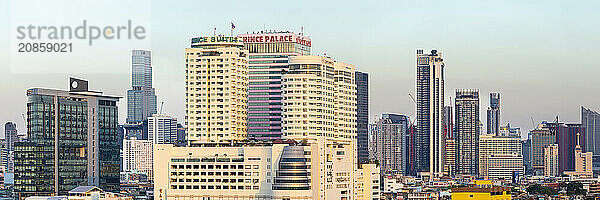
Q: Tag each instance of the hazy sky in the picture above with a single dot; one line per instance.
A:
(540, 55)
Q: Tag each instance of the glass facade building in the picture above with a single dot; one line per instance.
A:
(73, 141)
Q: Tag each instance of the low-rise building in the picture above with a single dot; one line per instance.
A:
(314, 169)
(84, 193)
(481, 193)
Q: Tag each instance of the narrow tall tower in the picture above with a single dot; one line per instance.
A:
(493, 114)
(429, 140)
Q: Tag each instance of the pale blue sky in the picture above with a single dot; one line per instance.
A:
(538, 54)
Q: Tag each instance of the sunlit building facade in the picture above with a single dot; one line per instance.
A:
(216, 90)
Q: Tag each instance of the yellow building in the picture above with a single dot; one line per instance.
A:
(481, 193)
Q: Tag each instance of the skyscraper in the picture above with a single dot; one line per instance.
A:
(362, 115)
(268, 58)
(216, 90)
(73, 141)
(467, 131)
(493, 114)
(141, 98)
(10, 137)
(590, 120)
(391, 145)
(429, 139)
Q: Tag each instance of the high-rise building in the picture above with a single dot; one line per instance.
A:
(362, 115)
(216, 90)
(541, 137)
(137, 156)
(493, 114)
(162, 129)
(566, 138)
(526, 149)
(10, 137)
(141, 99)
(319, 99)
(551, 160)
(467, 131)
(590, 120)
(429, 138)
(391, 143)
(268, 58)
(499, 148)
(73, 141)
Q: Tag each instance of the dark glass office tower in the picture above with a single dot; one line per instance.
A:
(73, 141)
(493, 114)
(467, 131)
(362, 115)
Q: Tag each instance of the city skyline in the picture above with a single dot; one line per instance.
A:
(507, 76)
